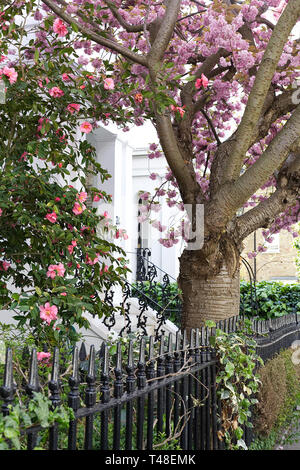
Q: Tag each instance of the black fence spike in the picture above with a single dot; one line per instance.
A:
(192, 338)
(82, 353)
(177, 341)
(162, 345)
(74, 381)
(54, 382)
(141, 374)
(90, 392)
(197, 342)
(7, 390)
(151, 348)
(105, 376)
(33, 383)
(142, 351)
(170, 344)
(130, 379)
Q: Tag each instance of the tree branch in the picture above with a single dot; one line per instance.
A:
(270, 160)
(284, 197)
(110, 44)
(130, 28)
(164, 34)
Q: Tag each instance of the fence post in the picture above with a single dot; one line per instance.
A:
(32, 386)
(176, 384)
(118, 390)
(184, 410)
(7, 390)
(150, 373)
(90, 399)
(130, 387)
(73, 398)
(169, 370)
(54, 398)
(160, 391)
(141, 383)
(105, 397)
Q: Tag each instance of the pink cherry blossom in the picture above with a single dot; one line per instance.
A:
(48, 312)
(60, 28)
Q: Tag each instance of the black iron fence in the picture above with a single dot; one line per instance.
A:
(149, 396)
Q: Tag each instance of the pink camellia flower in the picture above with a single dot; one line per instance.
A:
(201, 82)
(109, 84)
(51, 217)
(56, 270)
(86, 127)
(48, 312)
(56, 92)
(0, 212)
(82, 197)
(10, 73)
(60, 269)
(95, 199)
(70, 249)
(78, 209)
(60, 28)
(63, 294)
(65, 77)
(51, 271)
(5, 265)
(72, 107)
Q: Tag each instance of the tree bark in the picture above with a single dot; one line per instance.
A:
(210, 286)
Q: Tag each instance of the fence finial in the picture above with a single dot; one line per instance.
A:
(90, 393)
(7, 389)
(73, 396)
(33, 384)
(54, 382)
(130, 380)
(105, 376)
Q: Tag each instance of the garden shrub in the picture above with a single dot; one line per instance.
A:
(271, 299)
(278, 396)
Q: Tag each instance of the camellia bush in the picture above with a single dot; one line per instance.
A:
(57, 251)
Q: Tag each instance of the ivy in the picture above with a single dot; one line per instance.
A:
(237, 381)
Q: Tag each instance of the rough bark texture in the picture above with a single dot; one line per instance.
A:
(210, 285)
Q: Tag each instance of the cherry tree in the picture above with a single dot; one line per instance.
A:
(218, 79)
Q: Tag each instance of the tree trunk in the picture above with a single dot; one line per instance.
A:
(211, 290)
